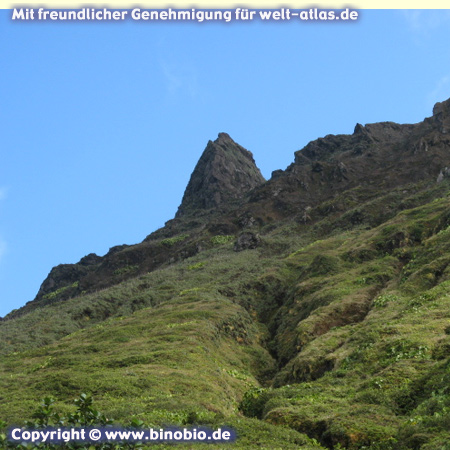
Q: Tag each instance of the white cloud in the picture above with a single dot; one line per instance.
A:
(3, 192)
(440, 92)
(173, 80)
(426, 27)
(180, 79)
(424, 21)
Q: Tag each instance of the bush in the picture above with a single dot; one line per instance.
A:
(85, 415)
(221, 239)
(54, 294)
(252, 405)
(125, 269)
(169, 242)
(382, 300)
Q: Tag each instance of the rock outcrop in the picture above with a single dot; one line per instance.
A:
(379, 156)
(225, 173)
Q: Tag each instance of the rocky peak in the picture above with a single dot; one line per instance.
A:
(224, 173)
(441, 114)
(442, 108)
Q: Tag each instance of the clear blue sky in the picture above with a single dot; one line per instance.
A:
(102, 123)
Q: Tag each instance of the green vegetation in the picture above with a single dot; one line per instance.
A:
(197, 266)
(54, 294)
(126, 269)
(85, 415)
(334, 334)
(382, 300)
(221, 239)
(45, 416)
(169, 242)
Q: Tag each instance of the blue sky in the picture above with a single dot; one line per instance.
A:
(102, 123)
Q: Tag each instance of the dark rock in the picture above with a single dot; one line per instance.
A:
(225, 173)
(441, 108)
(385, 154)
(247, 221)
(221, 228)
(61, 276)
(441, 114)
(317, 167)
(90, 260)
(277, 173)
(444, 173)
(117, 248)
(359, 129)
(247, 241)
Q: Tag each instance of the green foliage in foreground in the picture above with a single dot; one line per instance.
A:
(86, 415)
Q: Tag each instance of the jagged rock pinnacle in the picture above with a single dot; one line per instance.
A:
(225, 172)
(442, 108)
(441, 114)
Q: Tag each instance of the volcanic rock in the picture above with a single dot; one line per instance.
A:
(225, 173)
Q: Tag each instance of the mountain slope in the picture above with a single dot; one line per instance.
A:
(316, 301)
(227, 194)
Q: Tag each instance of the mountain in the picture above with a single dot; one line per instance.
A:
(225, 172)
(306, 311)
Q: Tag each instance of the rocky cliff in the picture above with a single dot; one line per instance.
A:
(224, 173)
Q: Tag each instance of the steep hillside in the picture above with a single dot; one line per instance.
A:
(307, 311)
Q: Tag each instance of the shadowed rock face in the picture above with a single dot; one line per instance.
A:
(441, 114)
(225, 172)
(376, 157)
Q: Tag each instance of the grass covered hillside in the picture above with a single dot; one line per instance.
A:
(319, 327)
